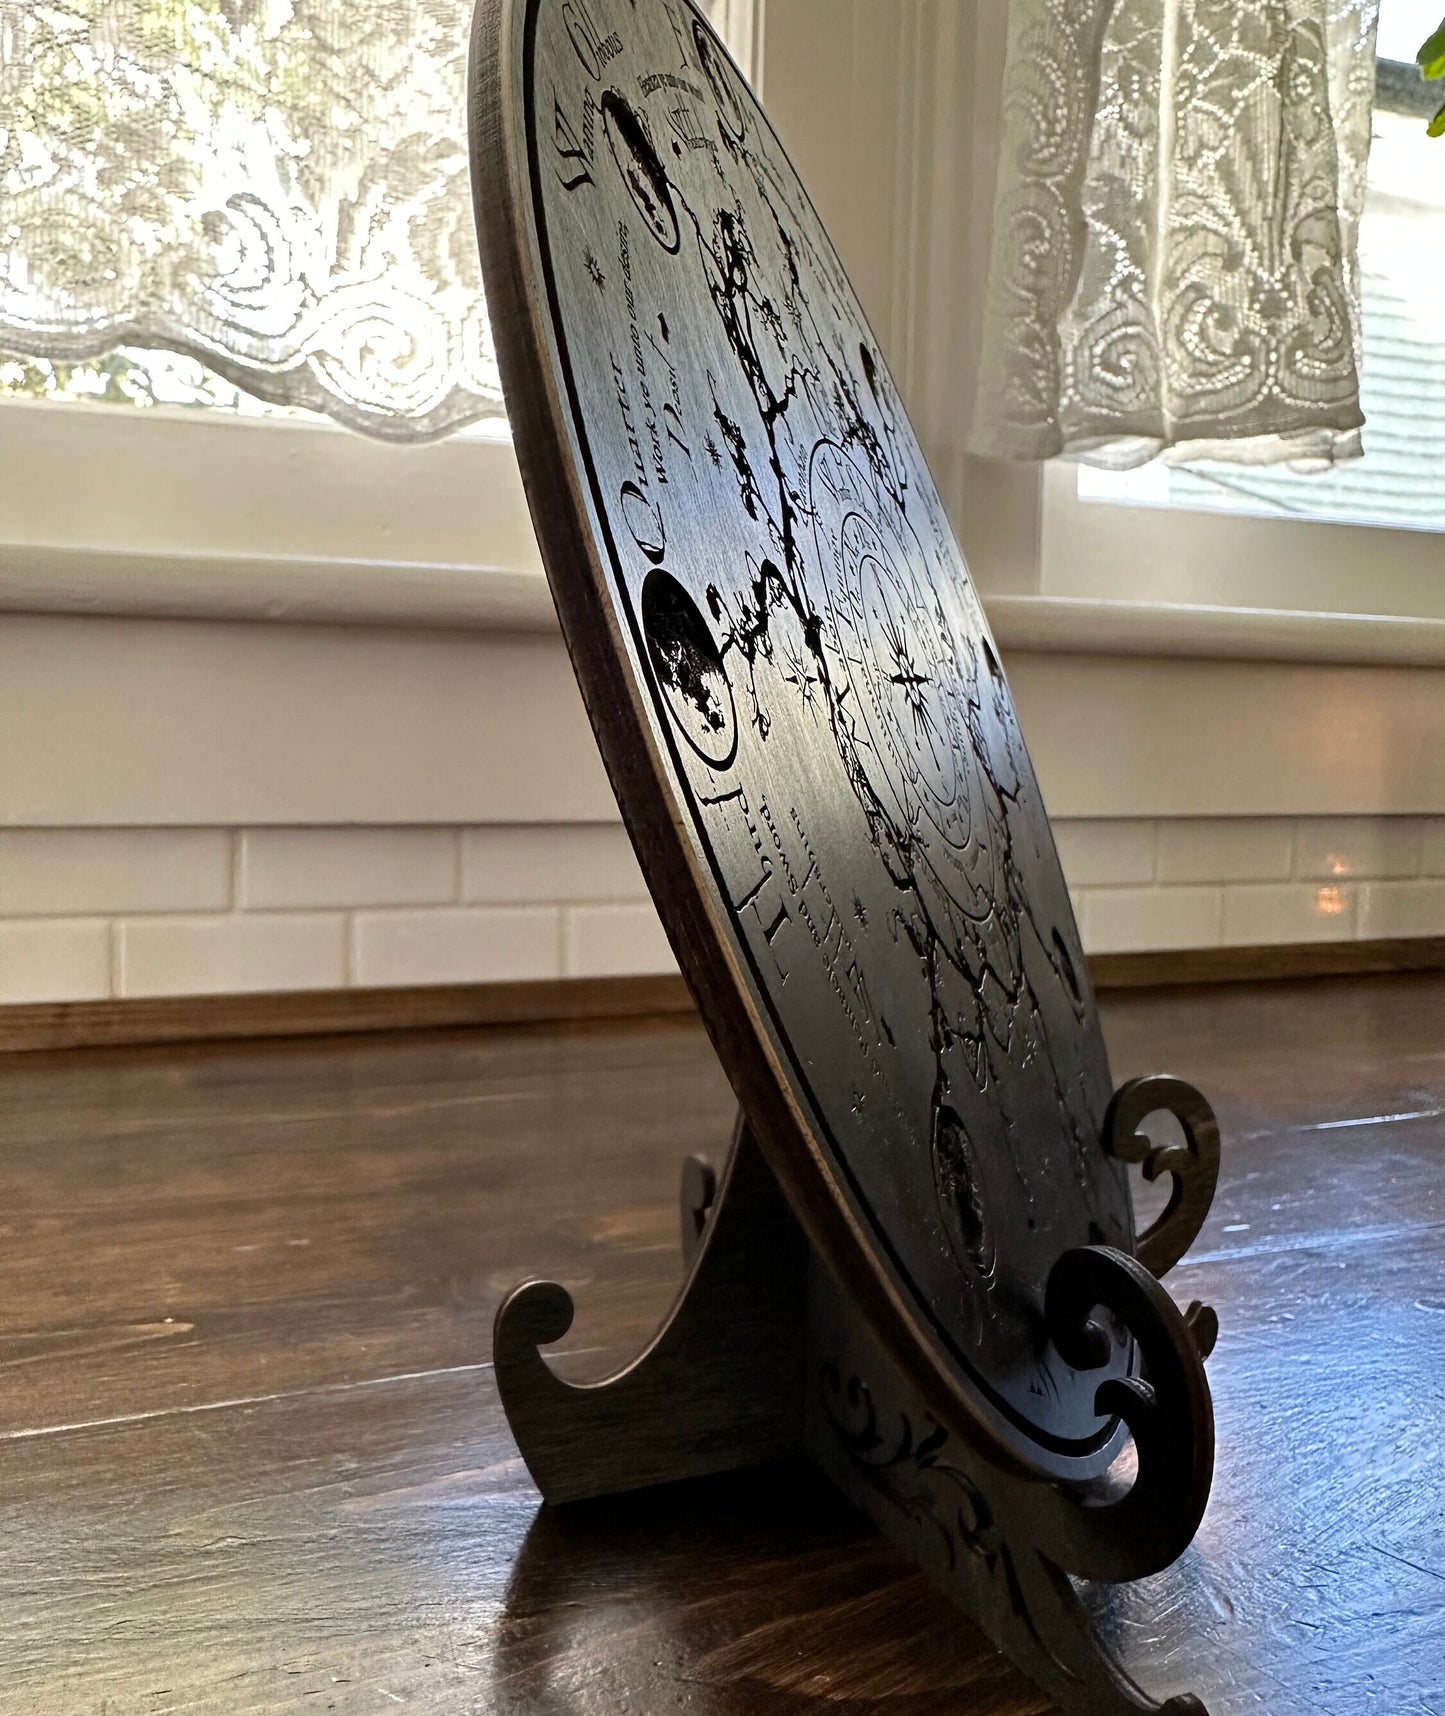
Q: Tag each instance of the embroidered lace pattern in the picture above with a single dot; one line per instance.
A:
(1174, 262)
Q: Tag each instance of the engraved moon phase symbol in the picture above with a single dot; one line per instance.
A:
(641, 170)
(689, 668)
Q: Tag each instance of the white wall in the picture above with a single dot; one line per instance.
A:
(192, 807)
(202, 807)
(236, 800)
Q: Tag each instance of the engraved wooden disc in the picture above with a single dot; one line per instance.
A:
(795, 692)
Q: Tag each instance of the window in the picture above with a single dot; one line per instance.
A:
(243, 510)
(1400, 481)
(130, 376)
(1311, 566)
(244, 123)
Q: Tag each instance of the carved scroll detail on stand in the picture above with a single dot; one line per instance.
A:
(1193, 1166)
(998, 1540)
(764, 1354)
(1166, 1407)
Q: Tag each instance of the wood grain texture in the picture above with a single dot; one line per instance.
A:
(1265, 962)
(30, 1026)
(298, 1494)
(323, 1012)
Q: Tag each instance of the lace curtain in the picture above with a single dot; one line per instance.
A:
(1174, 262)
(278, 188)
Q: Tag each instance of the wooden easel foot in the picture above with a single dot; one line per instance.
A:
(718, 1388)
(1062, 1652)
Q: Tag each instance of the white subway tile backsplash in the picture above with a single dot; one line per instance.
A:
(558, 861)
(231, 955)
(607, 941)
(151, 911)
(1220, 849)
(1339, 848)
(1136, 920)
(72, 871)
(1288, 912)
(291, 867)
(1105, 854)
(483, 944)
(1401, 909)
(54, 959)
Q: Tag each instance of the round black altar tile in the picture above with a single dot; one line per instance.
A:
(793, 685)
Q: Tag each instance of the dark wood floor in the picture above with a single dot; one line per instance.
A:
(251, 1458)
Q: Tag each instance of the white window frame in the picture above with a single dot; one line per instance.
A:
(1140, 579)
(198, 513)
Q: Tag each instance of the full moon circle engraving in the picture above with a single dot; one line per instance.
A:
(689, 669)
(642, 172)
(962, 1196)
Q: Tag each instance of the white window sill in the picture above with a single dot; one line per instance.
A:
(1118, 579)
(1087, 625)
(200, 515)
(325, 590)
(193, 515)
(293, 589)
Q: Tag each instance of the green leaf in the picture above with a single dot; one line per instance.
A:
(1436, 127)
(1431, 57)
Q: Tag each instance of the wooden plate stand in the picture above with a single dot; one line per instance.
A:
(764, 1355)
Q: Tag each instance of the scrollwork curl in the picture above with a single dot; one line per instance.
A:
(1192, 1166)
(1166, 1407)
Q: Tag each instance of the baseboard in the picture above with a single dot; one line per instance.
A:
(1266, 963)
(201, 1018)
(210, 1018)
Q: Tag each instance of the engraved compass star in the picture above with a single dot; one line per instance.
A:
(904, 673)
(594, 270)
(799, 676)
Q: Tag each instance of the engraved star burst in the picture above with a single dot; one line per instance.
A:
(799, 676)
(711, 448)
(906, 676)
(594, 270)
